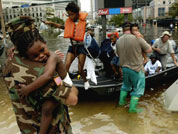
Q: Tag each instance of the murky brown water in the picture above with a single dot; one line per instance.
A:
(104, 117)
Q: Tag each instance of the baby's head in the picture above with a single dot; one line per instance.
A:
(27, 39)
(134, 28)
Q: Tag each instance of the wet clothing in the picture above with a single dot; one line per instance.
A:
(135, 80)
(129, 48)
(165, 48)
(28, 111)
(77, 49)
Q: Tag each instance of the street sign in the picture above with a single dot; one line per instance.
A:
(126, 10)
(112, 11)
(103, 11)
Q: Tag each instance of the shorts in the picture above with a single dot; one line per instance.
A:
(77, 49)
(135, 80)
(115, 61)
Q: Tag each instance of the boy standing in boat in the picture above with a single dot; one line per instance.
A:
(129, 49)
(74, 29)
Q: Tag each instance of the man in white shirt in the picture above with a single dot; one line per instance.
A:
(153, 66)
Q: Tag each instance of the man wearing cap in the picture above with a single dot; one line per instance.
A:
(129, 48)
(162, 47)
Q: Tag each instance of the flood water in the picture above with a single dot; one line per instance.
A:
(104, 116)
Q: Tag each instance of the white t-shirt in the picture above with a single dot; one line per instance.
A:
(151, 68)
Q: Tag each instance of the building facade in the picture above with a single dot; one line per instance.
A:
(156, 9)
(14, 8)
(160, 8)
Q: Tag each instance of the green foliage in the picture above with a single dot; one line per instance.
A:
(174, 10)
(118, 20)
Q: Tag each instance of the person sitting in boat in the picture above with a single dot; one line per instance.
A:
(106, 55)
(75, 30)
(115, 60)
(152, 66)
(162, 47)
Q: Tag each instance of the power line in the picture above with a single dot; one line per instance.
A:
(54, 2)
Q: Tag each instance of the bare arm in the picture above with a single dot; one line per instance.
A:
(54, 24)
(174, 59)
(145, 58)
(60, 68)
(158, 69)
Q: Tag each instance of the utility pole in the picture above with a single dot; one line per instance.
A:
(103, 18)
(145, 13)
(2, 21)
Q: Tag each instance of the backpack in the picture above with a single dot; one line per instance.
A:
(106, 55)
(91, 46)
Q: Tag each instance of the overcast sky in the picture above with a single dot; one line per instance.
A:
(85, 5)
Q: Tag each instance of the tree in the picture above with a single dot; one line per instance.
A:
(174, 10)
(118, 20)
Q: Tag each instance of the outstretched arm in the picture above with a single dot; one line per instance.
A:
(54, 24)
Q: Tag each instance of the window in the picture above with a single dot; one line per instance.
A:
(161, 11)
(164, 2)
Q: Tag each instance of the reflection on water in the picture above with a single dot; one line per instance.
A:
(104, 117)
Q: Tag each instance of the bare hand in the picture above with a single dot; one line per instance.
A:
(10, 53)
(60, 54)
(158, 50)
(47, 22)
(176, 63)
(23, 91)
(138, 35)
